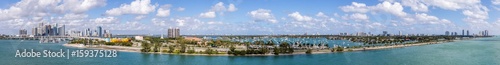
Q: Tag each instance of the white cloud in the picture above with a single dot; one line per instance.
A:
(80, 6)
(355, 7)
(356, 17)
(415, 5)
(29, 8)
(393, 8)
(139, 7)
(451, 4)
(209, 14)
(128, 26)
(263, 15)
(218, 7)
(387, 7)
(140, 17)
(321, 14)
(476, 14)
(164, 11)
(105, 20)
(231, 8)
(495, 2)
(298, 17)
(430, 19)
(72, 16)
(180, 9)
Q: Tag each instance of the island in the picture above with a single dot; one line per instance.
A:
(259, 45)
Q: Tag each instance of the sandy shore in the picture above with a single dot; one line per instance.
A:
(137, 49)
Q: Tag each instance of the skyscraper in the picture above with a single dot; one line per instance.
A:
(64, 30)
(486, 33)
(173, 32)
(400, 33)
(88, 32)
(463, 33)
(384, 33)
(61, 30)
(34, 31)
(99, 31)
(23, 32)
(447, 33)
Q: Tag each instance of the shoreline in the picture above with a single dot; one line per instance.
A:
(322, 51)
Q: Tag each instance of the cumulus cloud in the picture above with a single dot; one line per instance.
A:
(138, 7)
(164, 10)
(220, 9)
(231, 8)
(387, 7)
(495, 2)
(422, 17)
(415, 5)
(72, 16)
(298, 17)
(26, 13)
(140, 17)
(356, 17)
(180, 9)
(355, 7)
(105, 20)
(321, 14)
(209, 14)
(29, 8)
(262, 15)
(80, 6)
(393, 8)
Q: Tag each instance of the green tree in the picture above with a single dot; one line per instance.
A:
(183, 48)
(276, 51)
(146, 47)
(209, 51)
(171, 49)
(231, 50)
(309, 51)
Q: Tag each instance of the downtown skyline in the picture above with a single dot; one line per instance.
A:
(255, 17)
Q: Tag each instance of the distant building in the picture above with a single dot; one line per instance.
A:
(384, 33)
(99, 31)
(486, 33)
(400, 33)
(34, 31)
(88, 33)
(173, 33)
(48, 30)
(75, 33)
(107, 34)
(463, 33)
(447, 33)
(61, 31)
(138, 37)
(23, 32)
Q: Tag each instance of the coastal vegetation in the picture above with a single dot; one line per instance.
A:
(227, 45)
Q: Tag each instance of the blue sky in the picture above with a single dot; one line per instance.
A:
(255, 16)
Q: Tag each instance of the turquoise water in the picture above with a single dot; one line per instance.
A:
(485, 51)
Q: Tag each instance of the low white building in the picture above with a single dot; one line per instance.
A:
(139, 38)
